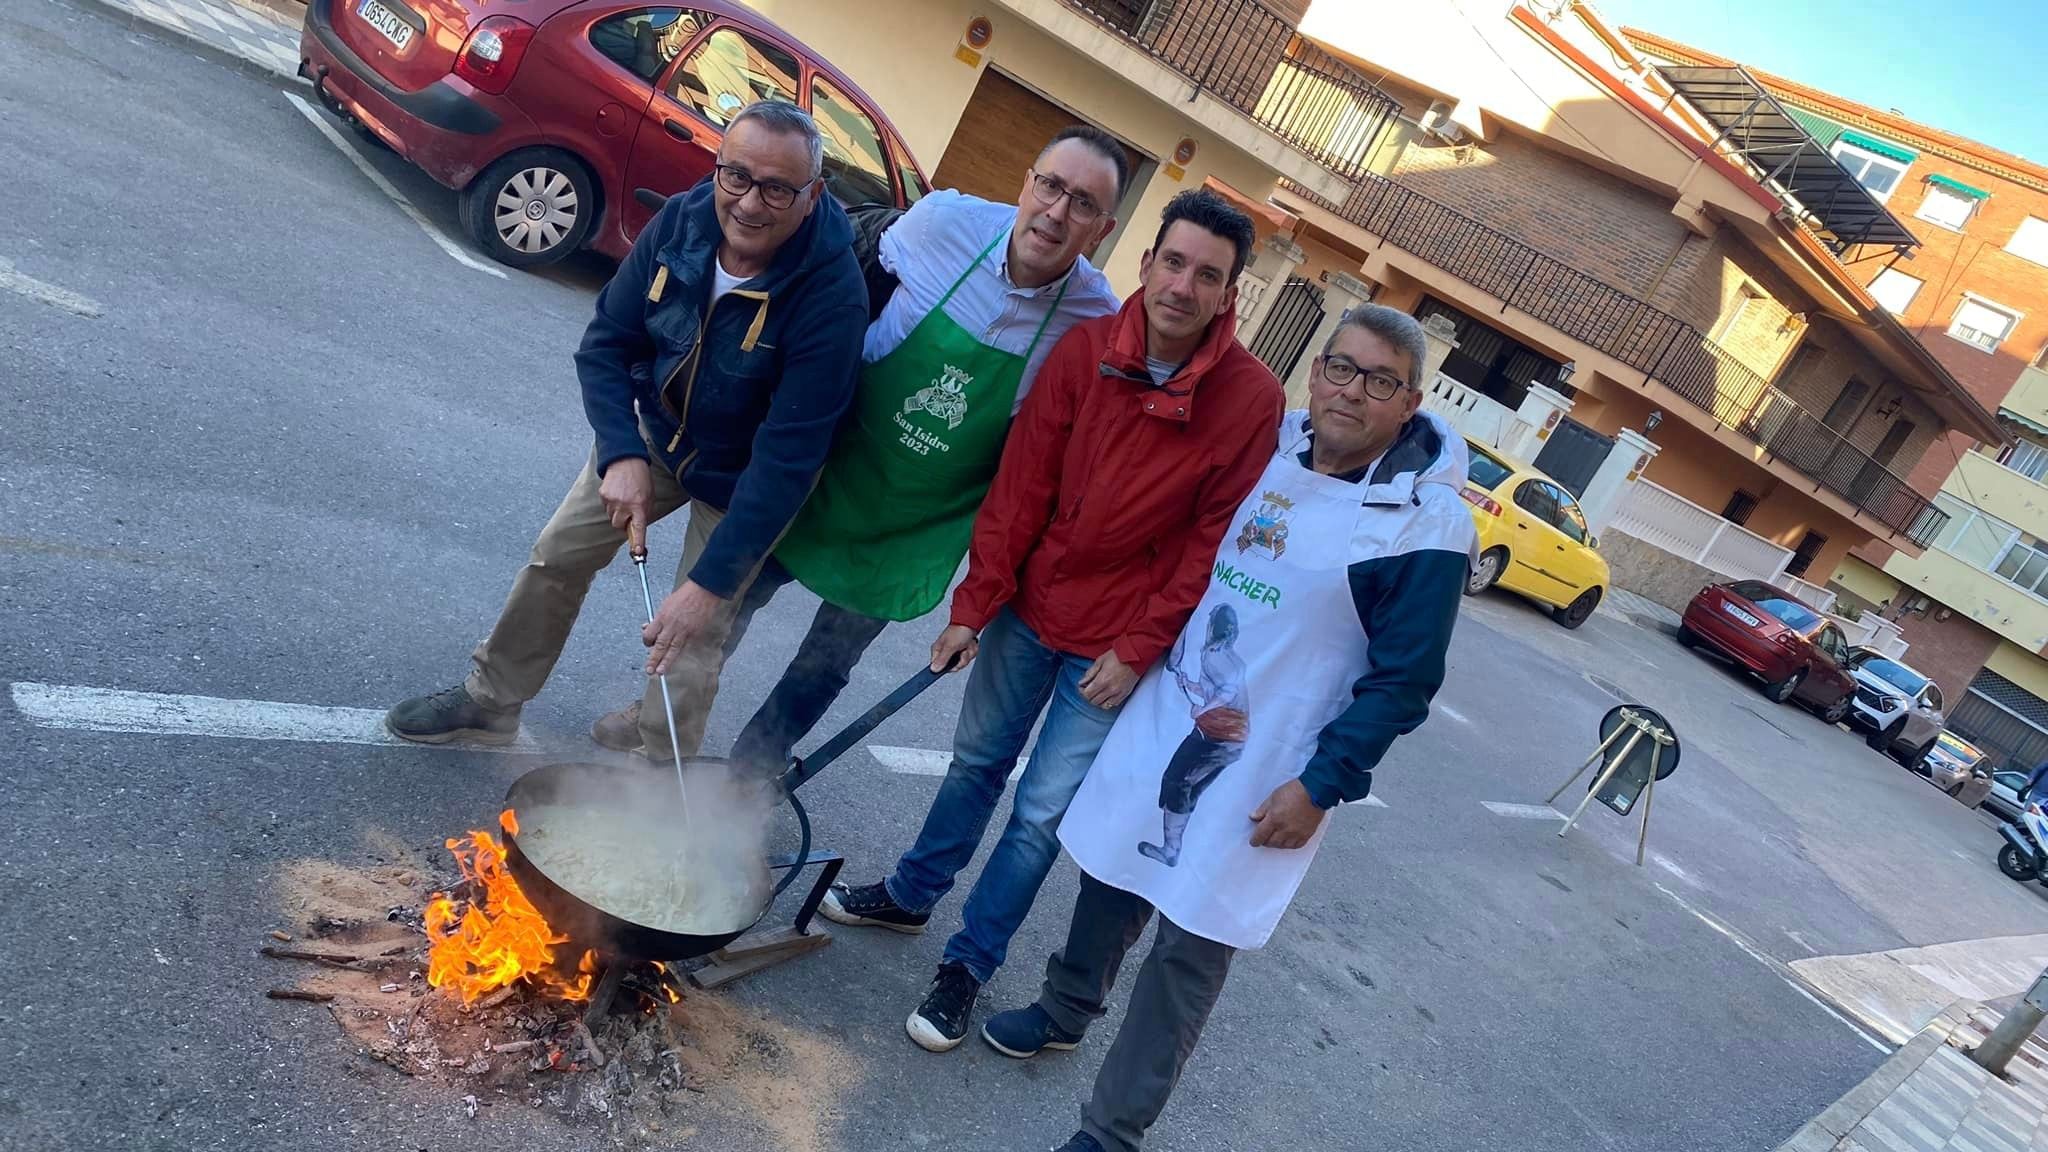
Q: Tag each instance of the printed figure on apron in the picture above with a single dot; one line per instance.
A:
(1222, 706)
(1319, 641)
(945, 397)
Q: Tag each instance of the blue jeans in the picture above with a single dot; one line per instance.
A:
(1009, 682)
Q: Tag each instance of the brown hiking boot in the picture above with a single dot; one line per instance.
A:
(620, 730)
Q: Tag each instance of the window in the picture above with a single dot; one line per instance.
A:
(1879, 175)
(856, 167)
(1487, 472)
(1830, 641)
(1535, 496)
(1842, 412)
(2024, 564)
(2041, 359)
(1739, 507)
(644, 42)
(1981, 323)
(1972, 536)
(1745, 295)
(1895, 290)
(2026, 458)
(1803, 555)
(906, 174)
(1907, 681)
(731, 70)
(1789, 612)
(1567, 518)
(1946, 207)
(1934, 697)
(2030, 240)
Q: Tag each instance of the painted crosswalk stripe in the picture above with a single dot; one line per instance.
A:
(61, 299)
(79, 708)
(1369, 802)
(1522, 811)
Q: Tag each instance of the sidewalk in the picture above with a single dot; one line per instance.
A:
(1640, 611)
(1929, 1097)
(258, 35)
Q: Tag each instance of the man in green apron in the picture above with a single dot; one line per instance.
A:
(983, 292)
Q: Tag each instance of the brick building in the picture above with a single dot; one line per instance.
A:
(1974, 605)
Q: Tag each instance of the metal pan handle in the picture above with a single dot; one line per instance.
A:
(803, 768)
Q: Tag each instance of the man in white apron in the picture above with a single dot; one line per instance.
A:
(1341, 586)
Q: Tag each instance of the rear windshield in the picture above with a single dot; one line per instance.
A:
(1791, 613)
(1897, 675)
(1487, 471)
(1959, 748)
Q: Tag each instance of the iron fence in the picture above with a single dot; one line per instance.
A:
(1250, 57)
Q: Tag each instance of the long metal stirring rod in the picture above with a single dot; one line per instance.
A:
(668, 707)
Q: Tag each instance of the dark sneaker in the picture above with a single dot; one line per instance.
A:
(620, 730)
(1022, 1033)
(451, 715)
(871, 904)
(940, 1023)
(1081, 1142)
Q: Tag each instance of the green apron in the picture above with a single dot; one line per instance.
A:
(884, 530)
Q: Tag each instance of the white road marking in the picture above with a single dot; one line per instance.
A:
(1453, 713)
(1522, 811)
(42, 293)
(1801, 941)
(1671, 866)
(335, 138)
(1783, 973)
(911, 761)
(165, 714)
(1369, 802)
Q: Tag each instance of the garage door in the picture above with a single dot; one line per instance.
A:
(1002, 130)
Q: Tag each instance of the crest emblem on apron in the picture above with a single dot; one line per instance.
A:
(945, 397)
(1266, 530)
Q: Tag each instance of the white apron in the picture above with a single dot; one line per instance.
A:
(1226, 718)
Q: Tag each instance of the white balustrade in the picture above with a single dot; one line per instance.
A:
(1659, 516)
(1477, 417)
(1821, 598)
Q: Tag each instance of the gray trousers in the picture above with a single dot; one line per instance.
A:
(1182, 977)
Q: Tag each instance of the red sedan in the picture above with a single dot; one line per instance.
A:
(565, 123)
(1794, 650)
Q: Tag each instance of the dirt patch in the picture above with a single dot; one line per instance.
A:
(646, 1076)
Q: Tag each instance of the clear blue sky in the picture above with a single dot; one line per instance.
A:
(1972, 67)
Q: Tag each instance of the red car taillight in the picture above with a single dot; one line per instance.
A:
(491, 54)
(1478, 499)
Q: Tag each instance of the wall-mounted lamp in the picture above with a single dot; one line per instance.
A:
(1565, 370)
(1651, 421)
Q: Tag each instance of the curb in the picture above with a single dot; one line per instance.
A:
(1827, 1130)
(135, 20)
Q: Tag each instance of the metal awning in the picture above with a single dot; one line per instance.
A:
(2027, 422)
(1787, 157)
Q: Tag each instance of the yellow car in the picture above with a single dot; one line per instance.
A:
(1532, 538)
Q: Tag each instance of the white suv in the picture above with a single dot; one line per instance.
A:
(1899, 707)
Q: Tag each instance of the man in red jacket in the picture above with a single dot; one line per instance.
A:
(1126, 464)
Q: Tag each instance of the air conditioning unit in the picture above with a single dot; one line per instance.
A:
(1437, 122)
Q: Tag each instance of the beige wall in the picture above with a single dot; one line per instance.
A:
(901, 53)
(2021, 667)
(1871, 585)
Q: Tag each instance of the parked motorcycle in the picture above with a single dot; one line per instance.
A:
(2024, 855)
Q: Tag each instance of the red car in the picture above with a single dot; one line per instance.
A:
(1794, 650)
(566, 123)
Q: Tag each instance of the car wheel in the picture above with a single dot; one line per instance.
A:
(530, 208)
(1487, 572)
(1580, 611)
(2014, 865)
(1836, 711)
(1687, 638)
(1955, 789)
(1882, 739)
(1780, 691)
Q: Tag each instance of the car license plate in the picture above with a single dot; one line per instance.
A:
(1730, 609)
(384, 20)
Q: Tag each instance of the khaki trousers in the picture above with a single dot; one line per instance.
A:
(579, 541)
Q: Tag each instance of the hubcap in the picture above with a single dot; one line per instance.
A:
(1482, 576)
(536, 208)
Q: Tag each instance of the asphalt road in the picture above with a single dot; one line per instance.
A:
(297, 456)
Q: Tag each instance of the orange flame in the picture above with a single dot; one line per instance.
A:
(500, 937)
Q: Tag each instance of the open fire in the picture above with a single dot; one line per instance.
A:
(489, 936)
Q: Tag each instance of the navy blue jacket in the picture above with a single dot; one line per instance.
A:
(739, 406)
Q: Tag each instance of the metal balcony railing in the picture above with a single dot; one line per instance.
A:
(1647, 339)
(1250, 57)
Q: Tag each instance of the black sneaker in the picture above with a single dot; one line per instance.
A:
(1081, 1142)
(940, 1023)
(451, 715)
(871, 904)
(1022, 1033)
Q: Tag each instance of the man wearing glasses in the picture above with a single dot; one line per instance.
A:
(1129, 458)
(1341, 587)
(983, 292)
(717, 366)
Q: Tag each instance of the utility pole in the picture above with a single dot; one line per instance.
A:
(2013, 1030)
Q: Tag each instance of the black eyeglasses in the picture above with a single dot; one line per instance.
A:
(1342, 370)
(1047, 190)
(739, 181)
